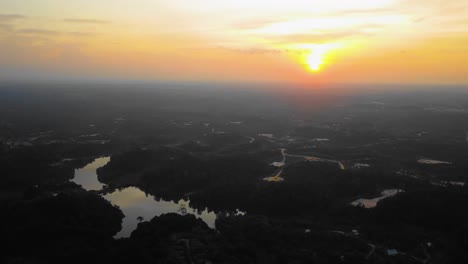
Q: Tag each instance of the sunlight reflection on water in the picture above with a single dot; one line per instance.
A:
(133, 202)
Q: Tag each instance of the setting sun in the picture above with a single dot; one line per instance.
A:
(317, 57)
(219, 40)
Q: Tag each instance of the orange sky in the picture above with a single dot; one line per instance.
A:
(388, 41)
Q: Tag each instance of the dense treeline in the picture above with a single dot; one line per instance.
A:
(72, 227)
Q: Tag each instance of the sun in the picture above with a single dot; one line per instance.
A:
(317, 57)
(315, 60)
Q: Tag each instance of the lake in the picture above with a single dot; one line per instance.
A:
(133, 202)
(371, 203)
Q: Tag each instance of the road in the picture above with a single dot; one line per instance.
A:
(251, 139)
(312, 158)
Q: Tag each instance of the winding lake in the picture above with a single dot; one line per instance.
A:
(87, 177)
(133, 202)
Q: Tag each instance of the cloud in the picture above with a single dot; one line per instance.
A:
(255, 24)
(86, 21)
(419, 19)
(313, 38)
(10, 17)
(6, 27)
(352, 13)
(371, 11)
(253, 50)
(46, 32)
(37, 31)
(82, 34)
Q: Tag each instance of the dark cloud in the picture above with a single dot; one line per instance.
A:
(10, 17)
(82, 34)
(37, 31)
(6, 27)
(85, 21)
(258, 51)
(47, 32)
(419, 19)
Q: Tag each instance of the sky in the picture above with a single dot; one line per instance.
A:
(301, 41)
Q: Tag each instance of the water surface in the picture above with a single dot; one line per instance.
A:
(371, 203)
(87, 177)
(134, 203)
